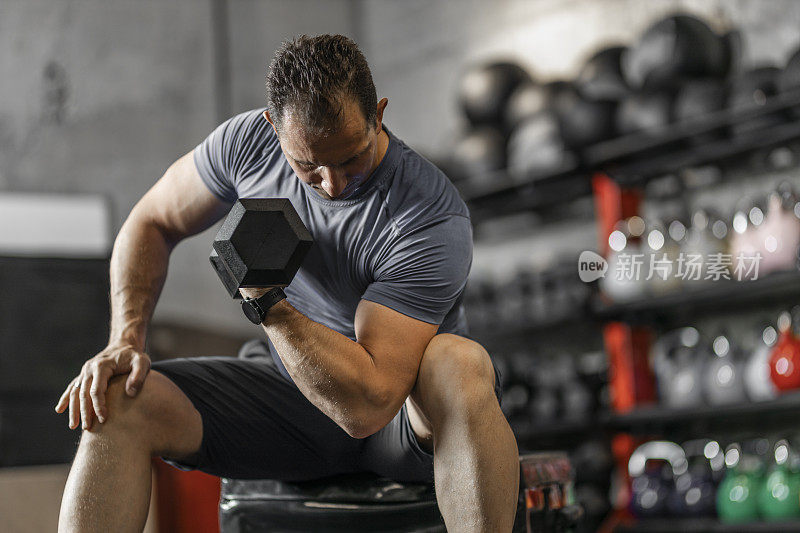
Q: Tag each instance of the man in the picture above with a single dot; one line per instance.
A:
(370, 373)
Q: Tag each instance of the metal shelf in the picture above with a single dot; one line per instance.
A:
(702, 525)
(677, 134)
(535, 435)
(745, 418)
(633, 159)
(499, 334)
(777, 288)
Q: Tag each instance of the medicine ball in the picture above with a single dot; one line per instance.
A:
(528, 99)
(751, 89)
(479, 152)
(535, 147)
(680, 46)
(696, 99)
(557, 87)
(484, 90)
(601, 77)
(789, 80)
(645, 111)
(583, 122)
(733, 43)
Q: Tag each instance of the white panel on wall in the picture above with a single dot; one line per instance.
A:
(54, 225)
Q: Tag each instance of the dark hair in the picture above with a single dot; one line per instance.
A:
(313, 76)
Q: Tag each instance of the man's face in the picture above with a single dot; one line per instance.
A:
(330, 162)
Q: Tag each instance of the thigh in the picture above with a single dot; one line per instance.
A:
(421, 425)
(256, 423)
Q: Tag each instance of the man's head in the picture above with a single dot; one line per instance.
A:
(324, 108)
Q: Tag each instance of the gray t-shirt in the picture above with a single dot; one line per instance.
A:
(403, 239)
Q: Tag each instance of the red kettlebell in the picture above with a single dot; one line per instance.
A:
(784, 361)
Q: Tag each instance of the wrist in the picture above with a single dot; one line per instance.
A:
(256, 309)
(122, 344)
(254, 292)
(132, 336)
(277, 313)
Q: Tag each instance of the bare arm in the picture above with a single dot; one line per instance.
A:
(177, 206)
(360, 385)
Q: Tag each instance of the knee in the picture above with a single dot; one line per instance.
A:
(456, 370)
(135, 415)
(160, 418)
(457, 358)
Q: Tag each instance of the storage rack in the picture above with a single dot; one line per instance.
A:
(613, 173)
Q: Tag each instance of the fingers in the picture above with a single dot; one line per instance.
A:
(97, 391)
(140, 366)
(74, 408)
(63, 402)
(87, 412)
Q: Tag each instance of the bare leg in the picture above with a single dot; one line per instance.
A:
(108, 488)
(454, 412)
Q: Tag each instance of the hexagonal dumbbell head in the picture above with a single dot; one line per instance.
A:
(262, 243)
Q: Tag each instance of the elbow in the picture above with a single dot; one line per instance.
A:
(378, 410)
(358, 431)
(362, 430)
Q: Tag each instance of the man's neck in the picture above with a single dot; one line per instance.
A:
(380, 153)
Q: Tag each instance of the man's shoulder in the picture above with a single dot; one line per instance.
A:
(248, 141)
(248, 126)
(422, 193)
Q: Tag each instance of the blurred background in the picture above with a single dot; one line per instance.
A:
(655, 129)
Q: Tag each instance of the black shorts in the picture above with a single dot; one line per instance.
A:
(258, 425)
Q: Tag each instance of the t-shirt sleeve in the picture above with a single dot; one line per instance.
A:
(426, 271)
(221, 157)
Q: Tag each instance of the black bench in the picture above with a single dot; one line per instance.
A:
(356, 502)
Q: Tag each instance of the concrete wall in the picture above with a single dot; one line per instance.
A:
(100, 96)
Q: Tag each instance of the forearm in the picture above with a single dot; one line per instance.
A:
(138, 269)
(336, 374)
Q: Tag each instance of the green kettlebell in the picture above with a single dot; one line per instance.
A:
(737, 493)
(779, 497)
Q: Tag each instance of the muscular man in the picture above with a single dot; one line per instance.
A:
(371, 371)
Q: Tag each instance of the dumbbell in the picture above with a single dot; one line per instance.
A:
(262, 243)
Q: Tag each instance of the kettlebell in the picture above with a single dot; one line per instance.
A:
(543, 381)
(779, 497)
(784, 359)
(723, 374)
(625, 281)
(757, 382)
(661, 253)
(737, 493)
(695, 489)
(707, 236)
(780, 232)
(747, 238)
(576, 400)
(653, 467)
(517, 294)
(677, 363)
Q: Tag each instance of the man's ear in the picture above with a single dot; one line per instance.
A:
(379, 116)
(265, 114)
